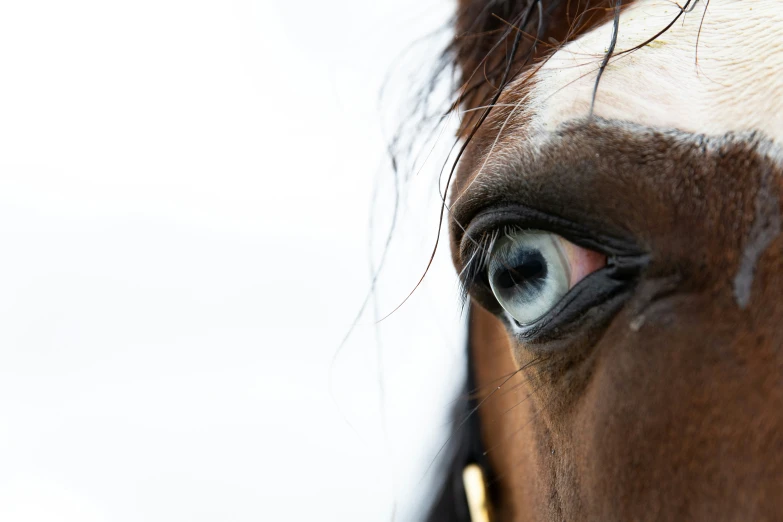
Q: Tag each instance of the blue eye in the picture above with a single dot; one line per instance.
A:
(529, 273)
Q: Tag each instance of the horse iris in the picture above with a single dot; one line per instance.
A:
(528, 272)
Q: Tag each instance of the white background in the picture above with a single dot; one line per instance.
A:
(185, 189)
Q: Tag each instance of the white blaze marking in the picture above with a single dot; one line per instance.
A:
(737, 85)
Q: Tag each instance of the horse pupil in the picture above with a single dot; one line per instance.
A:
(529, 269)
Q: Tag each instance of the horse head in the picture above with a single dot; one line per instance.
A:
(615, 221)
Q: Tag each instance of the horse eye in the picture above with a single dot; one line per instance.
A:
(531, 270)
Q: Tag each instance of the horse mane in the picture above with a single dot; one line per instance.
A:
(496, 40)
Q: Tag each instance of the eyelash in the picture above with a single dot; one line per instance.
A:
(475, 268)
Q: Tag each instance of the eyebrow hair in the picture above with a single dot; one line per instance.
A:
(546, 175)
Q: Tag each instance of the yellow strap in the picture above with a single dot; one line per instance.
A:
(476, 493)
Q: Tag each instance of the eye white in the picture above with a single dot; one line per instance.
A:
(528, 273)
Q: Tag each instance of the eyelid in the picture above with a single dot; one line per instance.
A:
(520, 216)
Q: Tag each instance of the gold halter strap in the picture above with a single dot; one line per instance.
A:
(476, 493)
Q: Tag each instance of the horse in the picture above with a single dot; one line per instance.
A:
(614, 219)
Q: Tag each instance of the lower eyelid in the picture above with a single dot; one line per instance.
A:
(582, 261)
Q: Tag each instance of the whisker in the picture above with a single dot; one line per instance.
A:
(520, 402)
(474, 393)
(474, 410)
(467, 417)
(515, 432)
(499, 476)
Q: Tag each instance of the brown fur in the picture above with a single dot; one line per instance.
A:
(665, 402)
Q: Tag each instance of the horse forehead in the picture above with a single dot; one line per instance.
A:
(730, 81)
